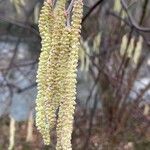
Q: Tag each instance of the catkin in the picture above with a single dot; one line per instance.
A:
(54, 65)
(57, 72)
(67, 106)
(44, 28)
(63, 84)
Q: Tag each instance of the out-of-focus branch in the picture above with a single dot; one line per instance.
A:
(26, 88)
(128, 24)
(20, 24)
(92, 9)
(27, 64)
(131, 19)
(145, 5)
(143, 91)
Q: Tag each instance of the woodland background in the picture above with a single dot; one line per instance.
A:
(113, 90)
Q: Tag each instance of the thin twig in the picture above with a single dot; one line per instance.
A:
(92, 9)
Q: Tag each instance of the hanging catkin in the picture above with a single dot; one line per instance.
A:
(54, 62)
(44, 28)
(57, 72)
(66, 110)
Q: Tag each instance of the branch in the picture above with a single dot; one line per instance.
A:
(27, 88)
(129, 24)
(131, 19)
(92, 9)
(20, 24)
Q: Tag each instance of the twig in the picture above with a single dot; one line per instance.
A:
(20, 24)
(129, 24)
(70, 7)
(145, 5)
(68, 12)
(92, 9)
(27, 88)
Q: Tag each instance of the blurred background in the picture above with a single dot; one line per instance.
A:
(113, 90)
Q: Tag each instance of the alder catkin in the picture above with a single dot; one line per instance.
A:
(54, 63)
(44, 28)
(67, 106)
(57, 72)
(65, 57)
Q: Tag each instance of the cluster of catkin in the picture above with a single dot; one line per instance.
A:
(57, 68)
(133, 50)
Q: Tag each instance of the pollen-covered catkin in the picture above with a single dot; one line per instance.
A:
(44, 28)
(54, 63)
(67, 106)
(65, 57)
(57, 72)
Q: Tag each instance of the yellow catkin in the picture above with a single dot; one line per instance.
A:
(135, 57)
(82, 54)
(124, 43)
(57, 72)
(117, 6)
(63, 70)
(44, 28)
(54, 63)
(138, 50)
(131, 47)
(67, 106)
(124, 46)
